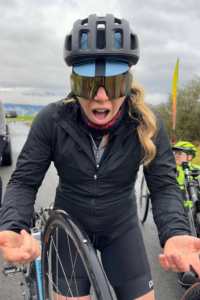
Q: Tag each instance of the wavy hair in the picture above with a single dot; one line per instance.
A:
(148, 126)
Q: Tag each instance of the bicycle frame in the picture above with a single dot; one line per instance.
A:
(37, 235)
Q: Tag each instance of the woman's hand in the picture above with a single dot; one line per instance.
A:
(181, 252)
(18, 248)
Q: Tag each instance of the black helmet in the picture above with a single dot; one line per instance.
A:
(106, 38)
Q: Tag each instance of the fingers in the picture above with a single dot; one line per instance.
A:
(30, 247)
(196, 266)
(27, 251)
(12, 255)
(174, 262)
(163, 262)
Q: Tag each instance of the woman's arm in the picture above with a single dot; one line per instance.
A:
(32, 164)
(167, 203)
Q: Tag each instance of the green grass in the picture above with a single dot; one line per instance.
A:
(196, 160)
(21, 118)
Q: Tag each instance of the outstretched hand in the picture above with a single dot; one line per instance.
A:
(181, 252)
(18, 248)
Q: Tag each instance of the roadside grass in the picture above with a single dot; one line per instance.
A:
(21, 118)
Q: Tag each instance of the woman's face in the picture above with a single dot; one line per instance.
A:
(100, 110)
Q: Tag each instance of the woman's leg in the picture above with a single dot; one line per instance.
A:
(127, 268)
(149, 296)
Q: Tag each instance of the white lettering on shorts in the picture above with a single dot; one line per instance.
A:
(150, 284)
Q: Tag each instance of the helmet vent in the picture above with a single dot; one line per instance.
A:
(84, 22)
(101, 25)
(68, 43)
(117, 21)
(83, 44)
(118, 40)
(133, 42)
(101, 36)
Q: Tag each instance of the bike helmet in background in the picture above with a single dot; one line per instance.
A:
(101, 46)
(186, 147)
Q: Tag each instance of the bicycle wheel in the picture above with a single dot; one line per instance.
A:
(193, 293)
(60, 220)
(143, 201)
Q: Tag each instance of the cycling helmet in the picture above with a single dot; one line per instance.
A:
(101, 43)
(186, 147)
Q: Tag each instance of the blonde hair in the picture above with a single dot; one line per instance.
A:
(148, 122)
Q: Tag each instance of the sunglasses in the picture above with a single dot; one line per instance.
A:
(179, 153)
(116, 86)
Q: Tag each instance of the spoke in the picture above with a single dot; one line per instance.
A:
(62, 267)
(73, 267)
(55, 287)
(57, 259)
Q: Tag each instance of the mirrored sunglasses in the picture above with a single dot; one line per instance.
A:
(116, 86)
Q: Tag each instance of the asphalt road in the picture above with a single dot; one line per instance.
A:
(165, 283)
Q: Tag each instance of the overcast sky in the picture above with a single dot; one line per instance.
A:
(32, 69)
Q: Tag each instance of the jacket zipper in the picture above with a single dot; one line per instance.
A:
(93, 201)
(95, 190)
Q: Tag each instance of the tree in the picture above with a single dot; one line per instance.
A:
(187, 112)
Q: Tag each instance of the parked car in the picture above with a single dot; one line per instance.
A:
(7, 152)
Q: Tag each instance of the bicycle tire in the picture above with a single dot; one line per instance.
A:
(192, 293)
(144, 201)
(191, 224)
(60, 219)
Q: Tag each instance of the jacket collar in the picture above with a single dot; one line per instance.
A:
(67, 114)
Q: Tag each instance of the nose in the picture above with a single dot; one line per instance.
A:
(101, 94)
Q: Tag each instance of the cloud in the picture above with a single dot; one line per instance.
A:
(32, 41)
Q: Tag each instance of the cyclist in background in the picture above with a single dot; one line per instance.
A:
(98, 136)
(184, 151)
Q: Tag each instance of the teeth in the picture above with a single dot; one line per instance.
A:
(100, 110)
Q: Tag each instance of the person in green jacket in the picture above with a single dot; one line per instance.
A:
(184, 151)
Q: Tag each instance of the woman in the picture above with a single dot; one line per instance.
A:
(98, 137)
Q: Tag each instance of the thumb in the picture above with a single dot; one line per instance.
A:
(2, 238)
(197, 243)
(24, 234)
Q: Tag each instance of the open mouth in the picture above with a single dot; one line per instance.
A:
(100, 114)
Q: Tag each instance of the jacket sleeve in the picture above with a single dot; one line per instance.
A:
(32, 164)
(167, 202)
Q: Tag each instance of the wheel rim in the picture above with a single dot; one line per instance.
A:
(143, 199)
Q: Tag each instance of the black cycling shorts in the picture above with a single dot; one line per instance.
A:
(124, 260)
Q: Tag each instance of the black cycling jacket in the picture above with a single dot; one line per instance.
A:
(102, 199)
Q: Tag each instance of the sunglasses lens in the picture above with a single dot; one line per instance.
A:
(115, 86)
